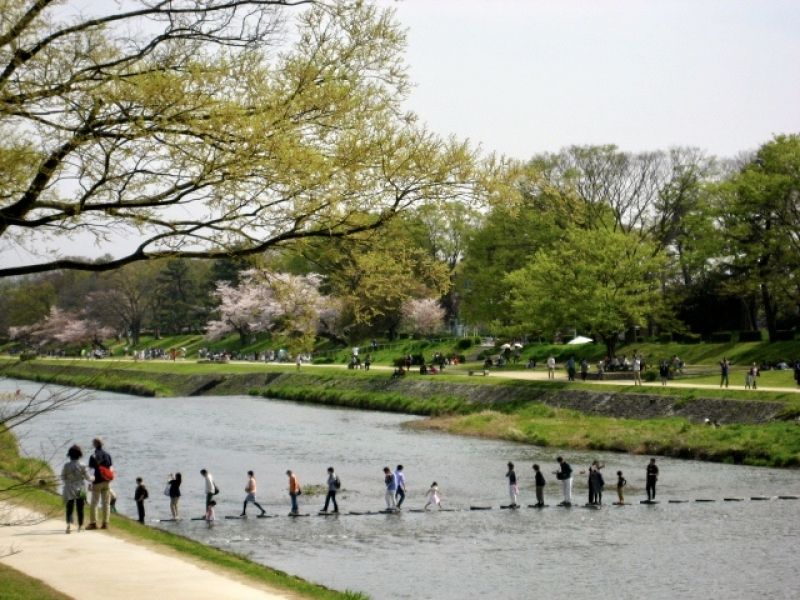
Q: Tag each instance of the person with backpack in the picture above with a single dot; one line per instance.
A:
(102, 465)
(210, 487)
(390, 481)
(334, 485)
(74, 475)
(401, 485)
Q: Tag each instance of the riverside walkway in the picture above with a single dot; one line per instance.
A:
(98, 565)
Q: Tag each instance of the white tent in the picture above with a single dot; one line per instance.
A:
(579, 339)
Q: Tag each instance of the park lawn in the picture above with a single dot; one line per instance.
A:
(18, 586)
(773, 378)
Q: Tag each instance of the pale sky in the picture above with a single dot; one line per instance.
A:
(526, 76)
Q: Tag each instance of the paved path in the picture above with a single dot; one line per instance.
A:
(96, 565)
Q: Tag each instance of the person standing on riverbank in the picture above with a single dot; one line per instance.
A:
(597, 483)
(101, 463)
(551, 367)
(401, 485)
(139, 496)
(724, 372)
(651, 476)
(211, 488)
(540, 483)
(294, 491)
(250, 490)
(390, 481)
(174, 492)
(564, 475)
(334, 483)
(74, 474)
(513, 488)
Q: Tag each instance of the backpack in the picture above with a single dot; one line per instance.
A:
(216, 489)
(337, 483)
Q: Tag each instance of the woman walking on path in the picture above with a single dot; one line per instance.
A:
(74, 475)
(390, 481)
(174, 492)
(100, 462)
(333, 486)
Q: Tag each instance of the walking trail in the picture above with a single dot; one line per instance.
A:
(97, 565)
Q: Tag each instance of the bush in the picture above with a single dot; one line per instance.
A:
(27, 355)
(750, 336)
(465, 343)
(323, 361)
(665, 338)
(650, 375)
(784, 335)
(720, 337)
(687, 338)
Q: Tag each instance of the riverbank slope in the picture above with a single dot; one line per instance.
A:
(755, 428)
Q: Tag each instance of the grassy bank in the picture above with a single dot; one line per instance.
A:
(14, 468)
(536, 412)
(774, 444)
(18, 586)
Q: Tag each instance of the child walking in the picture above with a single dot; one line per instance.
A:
(621, 483)
(210, 514)
(139, 496)
(433, 496)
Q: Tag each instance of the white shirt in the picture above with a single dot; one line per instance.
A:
(209, 483)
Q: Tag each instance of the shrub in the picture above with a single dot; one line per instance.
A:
(650, 375)
(465, 343)
(687, 338)
(720, 337)
(750, 336)
(27, 355)
(665, 338)
(784, 335)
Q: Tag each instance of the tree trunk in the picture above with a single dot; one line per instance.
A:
(610, 342)
(770, 314)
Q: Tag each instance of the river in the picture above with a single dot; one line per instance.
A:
(732, 550)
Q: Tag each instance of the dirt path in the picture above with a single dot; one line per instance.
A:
(96, 565)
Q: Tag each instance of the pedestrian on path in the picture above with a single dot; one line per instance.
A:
(139, 496)
(390, 482)
(513, 488)
(294, 490)
(74, 474)
(564, 475)
(334, 484)
(637, 370)
(651, 476)
(211, 488)
(401, 485)
(250, 490)
(174, 493)
(551, 367)
(724, 372)
(540, 483)
(102, 465)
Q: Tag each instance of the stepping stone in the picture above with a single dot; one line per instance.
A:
(538, 506)
(761, 498)
(480, 508)
(198, 518)
(648, 501)
(510, 506)
(564, 505)
(165, 520)
(266, 516)
(234, 517)
(733, 499)
(389, 511)
(704, 500)
(295, 515)
(677, 501)
(621, 503)
(787, 497)
(592, 506)
(327, 514)
(418, 510)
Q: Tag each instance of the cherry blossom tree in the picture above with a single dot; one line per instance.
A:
(284, 305)
(422, 316)
(63, 327)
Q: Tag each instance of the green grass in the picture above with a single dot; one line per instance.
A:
(43, 499)
(774, 444)
(780, 379)
(18, 586)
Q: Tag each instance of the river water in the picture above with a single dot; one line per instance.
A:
(722, 549)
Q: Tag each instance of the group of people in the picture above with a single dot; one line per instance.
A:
(80, 479)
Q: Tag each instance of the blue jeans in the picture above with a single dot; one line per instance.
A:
(400, 496)
(294, 502)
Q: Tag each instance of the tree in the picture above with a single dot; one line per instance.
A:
(194, 128)
(597, 281)
(759, 212)
(62, 327)
(422, 316)
(286, 306)
(177, 303)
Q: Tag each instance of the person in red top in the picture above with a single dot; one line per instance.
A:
(294, 490)
(101, 494)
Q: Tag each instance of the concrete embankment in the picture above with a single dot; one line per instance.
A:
(468, 396)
